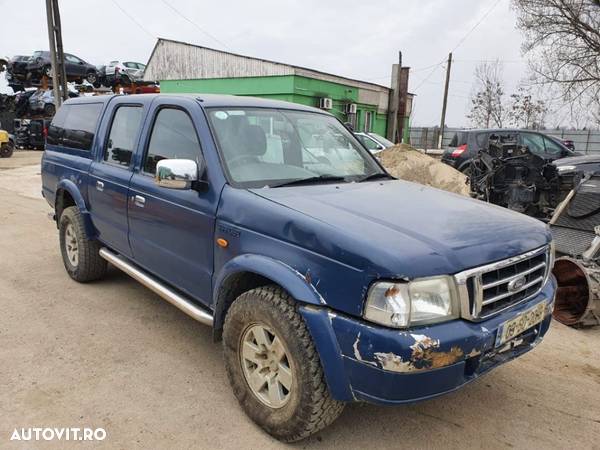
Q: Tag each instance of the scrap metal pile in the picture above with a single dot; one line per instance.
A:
(509, 175)
(575, 227)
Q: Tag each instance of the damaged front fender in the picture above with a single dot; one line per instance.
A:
(363, 361)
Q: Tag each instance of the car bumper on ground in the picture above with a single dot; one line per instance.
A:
(381, 365)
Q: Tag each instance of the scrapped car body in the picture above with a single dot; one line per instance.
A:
(6, 146)
(466, 144)
(373, 142)
(40, 64)
(129, 71)
(328, 280)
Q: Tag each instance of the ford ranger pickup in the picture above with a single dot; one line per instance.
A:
(327, 280)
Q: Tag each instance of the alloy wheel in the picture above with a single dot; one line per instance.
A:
(266, 365)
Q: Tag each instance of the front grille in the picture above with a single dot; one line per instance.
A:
(490, 289)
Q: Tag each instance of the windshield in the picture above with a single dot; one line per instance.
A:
(268, 147)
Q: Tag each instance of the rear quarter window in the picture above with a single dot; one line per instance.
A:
(74, 125)
(459, 138)
(482, 140)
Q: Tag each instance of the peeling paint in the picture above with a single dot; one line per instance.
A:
(308, 279)
(394, 363)
(422, 344)
(357, 354)
(425, 355)
(473, 353)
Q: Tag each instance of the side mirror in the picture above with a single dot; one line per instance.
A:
(176, 173)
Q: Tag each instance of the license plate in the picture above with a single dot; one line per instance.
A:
(522, 322)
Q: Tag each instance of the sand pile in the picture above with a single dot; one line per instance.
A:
(408, 164)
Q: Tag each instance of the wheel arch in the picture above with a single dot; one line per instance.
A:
(67, 194)
(246, 272)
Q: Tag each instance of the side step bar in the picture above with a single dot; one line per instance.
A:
(184, 304)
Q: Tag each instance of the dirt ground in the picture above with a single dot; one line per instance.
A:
(111, 354)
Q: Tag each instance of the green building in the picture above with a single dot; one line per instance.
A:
(187, 68)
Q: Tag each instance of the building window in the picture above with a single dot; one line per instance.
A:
(368, 121)
(352, 120)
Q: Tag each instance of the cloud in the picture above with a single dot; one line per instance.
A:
(352, 38)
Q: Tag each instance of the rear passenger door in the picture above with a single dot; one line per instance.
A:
(111, 172)
(170, 230)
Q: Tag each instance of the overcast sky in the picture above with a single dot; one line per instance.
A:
(356, 39)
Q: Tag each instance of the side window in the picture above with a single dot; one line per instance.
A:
(552, 147)
(173, 137)
(80, 125)
(534, 142)
(56, 127)
(367, 142)
(123, 131)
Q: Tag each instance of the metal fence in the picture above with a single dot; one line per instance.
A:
(585, 141)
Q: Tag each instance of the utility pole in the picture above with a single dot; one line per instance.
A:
(394, 101)
(397, 101)
(59, 75)
(445, 101)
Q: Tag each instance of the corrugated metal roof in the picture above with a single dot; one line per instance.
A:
(176, 60)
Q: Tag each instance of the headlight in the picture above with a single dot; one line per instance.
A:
(419, 302)
(566, 168)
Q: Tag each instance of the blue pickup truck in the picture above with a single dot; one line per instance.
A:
(327, 280)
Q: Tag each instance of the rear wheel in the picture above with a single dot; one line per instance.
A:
(80, 254)
(273, 366)
(49, 109)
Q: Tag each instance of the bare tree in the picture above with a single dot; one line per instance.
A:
(562, 40)
(487, 108)
(527, 111)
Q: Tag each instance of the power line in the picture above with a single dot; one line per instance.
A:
(460, 42)
(464, 38)
(183, 16)
(426, 79)
(153, 36)
(508, 61)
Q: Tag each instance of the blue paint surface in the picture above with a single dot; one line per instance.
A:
(324, 244)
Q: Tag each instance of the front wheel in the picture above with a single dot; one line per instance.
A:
(91, 78)
(6, 150)
(81, 255)
(273, 366)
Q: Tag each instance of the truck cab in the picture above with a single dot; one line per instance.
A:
(327, 280)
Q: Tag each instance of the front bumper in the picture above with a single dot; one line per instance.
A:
(363, 361)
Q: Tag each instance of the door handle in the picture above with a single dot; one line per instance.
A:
(99, 186)
(138, 200)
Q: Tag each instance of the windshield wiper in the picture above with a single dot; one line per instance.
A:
(309, 180)
(374, 176)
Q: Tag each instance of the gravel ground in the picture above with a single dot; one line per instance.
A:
(112, 354)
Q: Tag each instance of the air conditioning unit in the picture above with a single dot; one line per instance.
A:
(351, 108)
(325, 103)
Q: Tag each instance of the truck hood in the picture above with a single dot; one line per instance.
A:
(405, 229)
